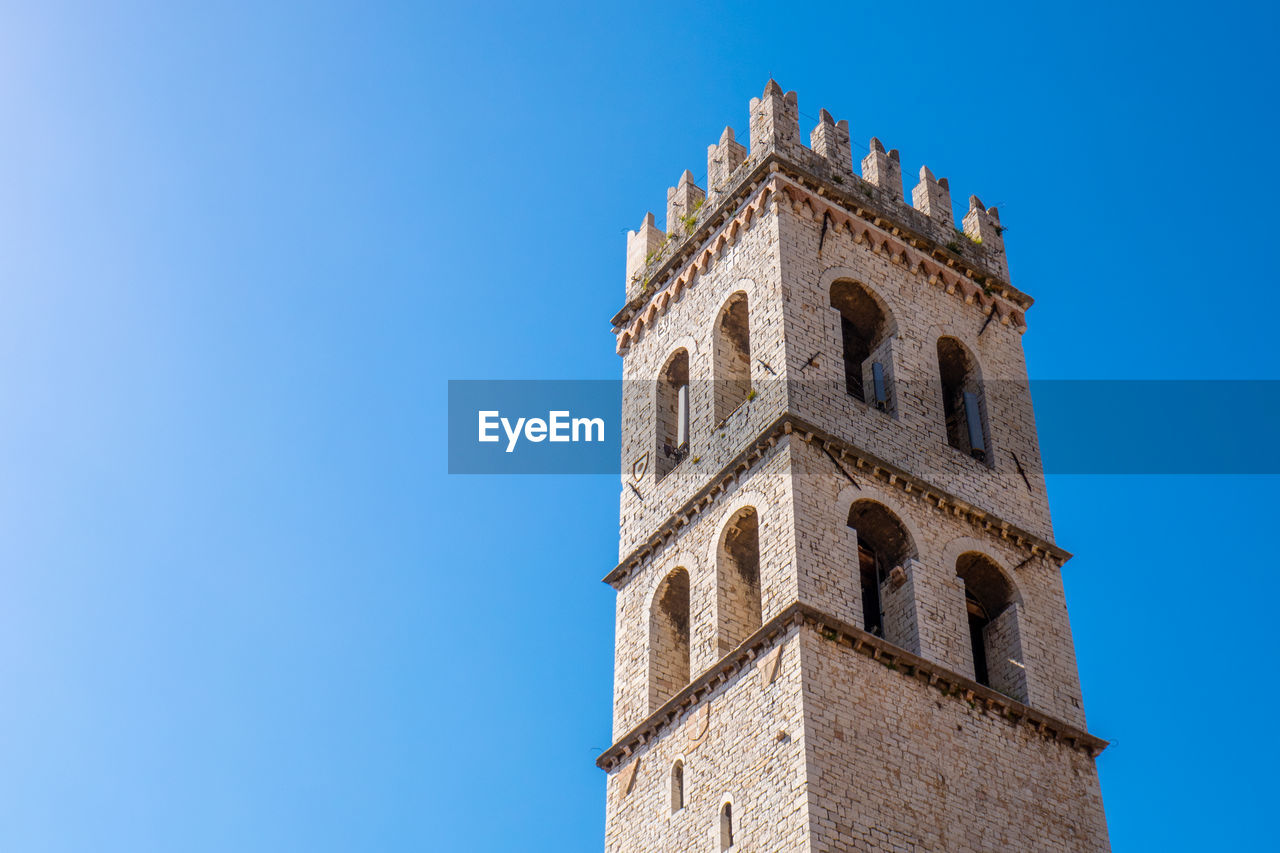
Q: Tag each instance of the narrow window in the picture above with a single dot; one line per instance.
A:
(871, 576)
(677, 787)
(864, 339)
(731, 346)
(991, 605)
(726, 826)
(883, 545)
(669, 639)
(672, 398)
(963, 406)
(738, 605)
(856, 351)
(978, 622)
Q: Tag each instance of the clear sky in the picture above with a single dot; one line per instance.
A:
(244, 245)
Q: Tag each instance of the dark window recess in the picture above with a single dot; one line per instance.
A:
(883, 545)
(864, 328)
(952, 412)
(962, 402)
(872, 613)
(978, 622)
(856, 351)
(672, 413)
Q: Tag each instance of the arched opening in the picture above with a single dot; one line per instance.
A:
(991, 602)
(963, 405)
(738, 603)
(883, 545)
(865, 335)
(726, 826)
(731, 347)
(669, 638)
(677, 786)
(673, 413)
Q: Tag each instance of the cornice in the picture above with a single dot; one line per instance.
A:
(863, 221)
(866, 464)
(948, 683)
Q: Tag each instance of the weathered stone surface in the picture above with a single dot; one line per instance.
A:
(817, 736)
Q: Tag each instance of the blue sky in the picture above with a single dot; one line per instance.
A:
(243, 247)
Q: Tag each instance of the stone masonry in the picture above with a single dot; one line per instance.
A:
(840, 616)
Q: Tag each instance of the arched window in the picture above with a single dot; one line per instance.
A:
(673, 413)
(993, 625)
(865, 335)
(963, 404)
(669, 638)
(731, 346)
(738, 603)
(726, 826)
(677, 786)
(883, 545)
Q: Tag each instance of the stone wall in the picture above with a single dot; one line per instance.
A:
(744, 744)
(750, 267)
(912, 435)
(697, 549)
(895, 765)
(827, 578)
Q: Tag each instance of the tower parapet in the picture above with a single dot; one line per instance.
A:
(723, 160)
(883, 169)
(830, 140)
(932, 197)
(775, 120)
(983, 227)
(684, 200)
(642, 245)
(776, 144)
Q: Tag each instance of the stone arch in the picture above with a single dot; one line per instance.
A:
(740, 500)
(833, 275)
(884, 546)
(744, 284)
(884, 527)
(669, 624)
(739, 603)
(727, 826)
(731, 355)
(993, 607)
(986, 581)
(866, 331)
(964, 404)
(696, 351)
(677, 784)
(955, 547)
(849, 494)
(671, 412)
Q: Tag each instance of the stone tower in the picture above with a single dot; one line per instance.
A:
(840, 616)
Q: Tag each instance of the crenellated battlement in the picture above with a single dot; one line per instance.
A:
(775, 133)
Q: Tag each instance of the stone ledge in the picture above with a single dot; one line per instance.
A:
(863, 462)
(935, 675)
